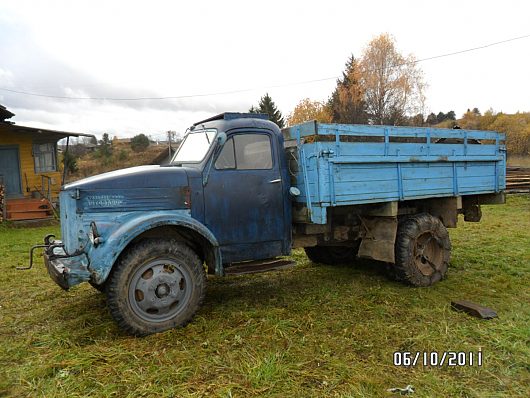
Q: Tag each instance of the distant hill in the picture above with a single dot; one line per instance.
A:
(121, 156)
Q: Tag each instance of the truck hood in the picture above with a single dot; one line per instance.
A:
(134, 177)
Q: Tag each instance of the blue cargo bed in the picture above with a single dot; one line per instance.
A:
(338, 165)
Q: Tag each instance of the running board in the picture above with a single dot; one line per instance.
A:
(253, 267)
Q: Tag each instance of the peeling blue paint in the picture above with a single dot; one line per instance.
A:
(374, 164)
(128, 226)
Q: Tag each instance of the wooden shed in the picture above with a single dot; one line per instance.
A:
(29, 169)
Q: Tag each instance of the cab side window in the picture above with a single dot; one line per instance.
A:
(227, 157)
(246, 152)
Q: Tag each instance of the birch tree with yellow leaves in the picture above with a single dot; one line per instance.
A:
(393, 84)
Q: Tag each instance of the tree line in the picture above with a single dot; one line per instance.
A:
(381, 87)
(385, 87)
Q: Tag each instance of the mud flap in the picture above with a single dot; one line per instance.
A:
(379, 238)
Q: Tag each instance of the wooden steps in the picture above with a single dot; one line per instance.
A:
(28, 209)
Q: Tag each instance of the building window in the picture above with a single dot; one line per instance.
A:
(45, 159)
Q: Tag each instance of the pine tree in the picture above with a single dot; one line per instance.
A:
(347, 100)
(431, 119)
(105, 146)
(267, 105)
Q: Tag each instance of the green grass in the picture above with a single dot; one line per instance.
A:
(309, 331)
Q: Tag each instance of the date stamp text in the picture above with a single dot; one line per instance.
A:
(434, 358)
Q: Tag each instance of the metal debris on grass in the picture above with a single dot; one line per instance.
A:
(474, 309)
(402, 391)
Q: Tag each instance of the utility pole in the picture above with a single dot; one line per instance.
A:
(169, 134)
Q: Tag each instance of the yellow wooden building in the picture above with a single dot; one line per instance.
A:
(29, 168)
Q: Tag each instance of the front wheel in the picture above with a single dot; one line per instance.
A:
(422, 250)
(157, 285)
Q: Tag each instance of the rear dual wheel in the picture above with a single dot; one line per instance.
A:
(157, 285)
(422, 250)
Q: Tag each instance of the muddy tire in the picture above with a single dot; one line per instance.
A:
(422, 250)
(332, 255)
(157, 285)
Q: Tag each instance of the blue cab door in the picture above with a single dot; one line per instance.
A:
(244, 198)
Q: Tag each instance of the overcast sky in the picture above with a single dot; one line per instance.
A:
(129, 49)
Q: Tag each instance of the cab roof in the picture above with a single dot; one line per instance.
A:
(234, 120)
(234, 115)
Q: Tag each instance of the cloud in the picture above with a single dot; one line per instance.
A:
(27, 67)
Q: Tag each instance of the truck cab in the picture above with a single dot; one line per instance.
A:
(242, 196)
(149, 233)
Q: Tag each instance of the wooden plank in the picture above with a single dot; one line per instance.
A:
(414, 159)
(27, 215)
(312, 128)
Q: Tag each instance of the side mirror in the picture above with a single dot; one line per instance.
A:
(221, 138)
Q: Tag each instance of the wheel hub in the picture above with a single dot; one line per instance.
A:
(428, 254)
(162, 290)
(159, 290)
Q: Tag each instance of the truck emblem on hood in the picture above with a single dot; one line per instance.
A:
(105, 200)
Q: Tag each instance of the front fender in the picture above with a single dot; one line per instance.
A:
(103, 257)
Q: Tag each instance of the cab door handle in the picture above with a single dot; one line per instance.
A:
(275, 181)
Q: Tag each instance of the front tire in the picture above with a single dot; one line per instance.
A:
(157, 285)
(422, 250)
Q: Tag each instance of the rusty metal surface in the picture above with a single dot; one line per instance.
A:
(474, 309)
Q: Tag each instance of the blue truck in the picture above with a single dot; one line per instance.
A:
(240, 194)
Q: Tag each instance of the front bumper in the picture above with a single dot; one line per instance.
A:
(64, 269)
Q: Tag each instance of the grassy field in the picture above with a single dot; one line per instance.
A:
(309, 331)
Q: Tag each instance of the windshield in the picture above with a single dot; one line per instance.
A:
(195, 146)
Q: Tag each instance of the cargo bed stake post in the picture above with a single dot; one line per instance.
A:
(301, 156)
(337, 142)
(428, 142)
(387, 141)
(400, 181)
(455, 179)
(319, 158)
(497, 152)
